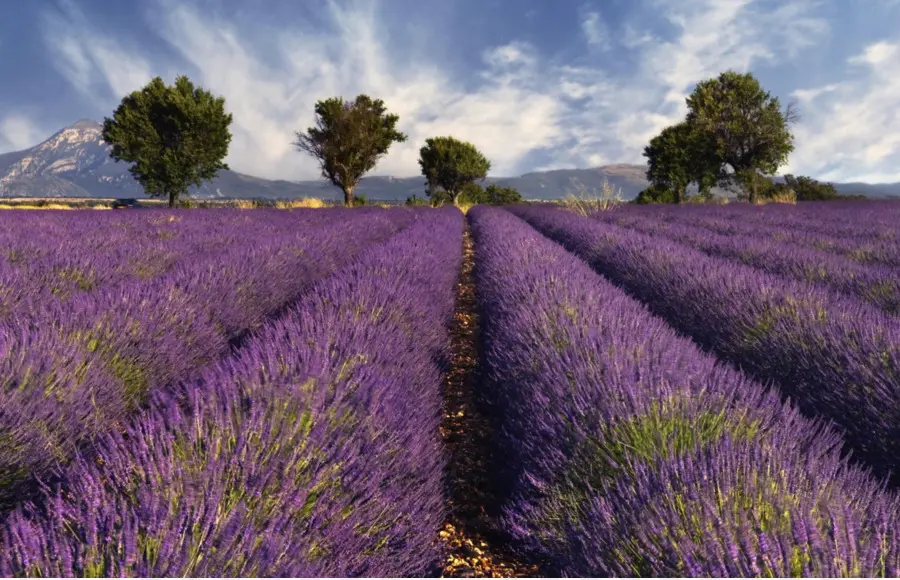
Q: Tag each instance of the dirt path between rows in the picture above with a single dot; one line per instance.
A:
(466, 433)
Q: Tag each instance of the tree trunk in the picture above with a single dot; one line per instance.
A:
(348, 196)
(455, 197)
(173, 196)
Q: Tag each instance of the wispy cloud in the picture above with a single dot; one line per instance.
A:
(851, 129)
(506, 116)
(19, 132)
(595, 30)
(92, 62)
(711, 36)
(517, 103)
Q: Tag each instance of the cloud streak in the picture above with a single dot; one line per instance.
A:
(852, 131)
(95, 65)
(517, 103)
(19, 132)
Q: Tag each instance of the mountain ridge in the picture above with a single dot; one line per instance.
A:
(75, 162)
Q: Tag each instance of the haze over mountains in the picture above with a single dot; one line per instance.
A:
(75, 162)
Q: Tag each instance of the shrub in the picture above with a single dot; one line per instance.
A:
(304, 202)
(655, 194)
(415, 200)
(587, 202)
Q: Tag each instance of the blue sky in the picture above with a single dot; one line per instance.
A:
(535, 84)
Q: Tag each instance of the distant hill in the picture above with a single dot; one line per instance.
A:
(75, 162)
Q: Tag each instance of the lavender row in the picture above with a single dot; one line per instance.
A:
(862, 249)
(879, 285)
(836, 357)
(863, 221)
(314, 451)
(85, 252)
(77, 368)
(626, 451)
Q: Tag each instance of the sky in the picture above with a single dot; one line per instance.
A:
(534, 84)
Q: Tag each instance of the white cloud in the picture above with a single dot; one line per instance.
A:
(713, 36)
(87, 57)
(517, 103)
(807, 95)
(19, 132)
(506, 117)
(876, 54)
(850, 129)
(595, 30)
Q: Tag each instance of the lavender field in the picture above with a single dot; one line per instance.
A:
(691, 390)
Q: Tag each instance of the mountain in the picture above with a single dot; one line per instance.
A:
(556, 183)
(75, 162)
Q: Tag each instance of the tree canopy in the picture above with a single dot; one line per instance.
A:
(734, 133)
(808, 189)
(349, 139)
(747, 128)
(656, 193)
(473, 193)
(679, 156)
(175, 136)
(450, 164)
(497, 195)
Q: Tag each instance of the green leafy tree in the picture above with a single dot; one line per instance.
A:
(174, 136)
(748, 131)
(808, 189)
(349, 139)
(670, 160)
(472, 193)
(450, 164)
(437, 196)
(656, 193)
(496, 195)
(415, 200)
(678, 157)
(755, 182)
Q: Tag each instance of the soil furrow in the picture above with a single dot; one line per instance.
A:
(474, 553)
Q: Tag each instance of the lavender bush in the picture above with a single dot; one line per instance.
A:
(625, 450)
(73, 367)
(873, 283)
(313, 451)
(836, 357)
(854, 238)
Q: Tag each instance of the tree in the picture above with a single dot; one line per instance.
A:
(808, 189)
(438, 197)
(175, 136)
(415, 200)
(472, 193)
(349, 139)
(450, 164)
(496, 195)
(748, 130)
(679, 156)
(656, 193)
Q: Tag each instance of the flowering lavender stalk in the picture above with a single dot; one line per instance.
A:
(313, 451)
(869, 220)
(73, 368)
(625, 450)
(879, 285)
(879, 246)
(836, 357)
